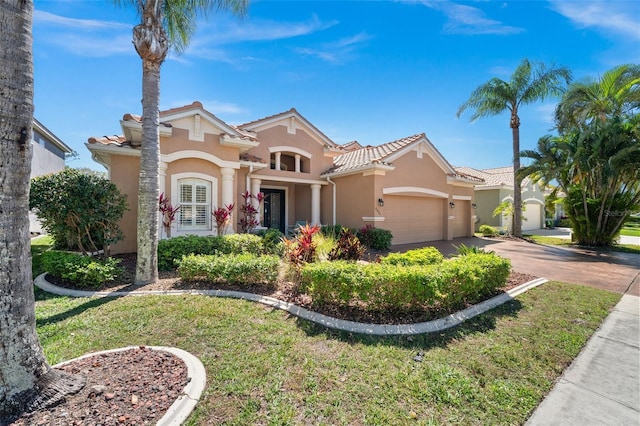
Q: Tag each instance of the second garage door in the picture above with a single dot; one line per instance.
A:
(532, 214)
(413, 219)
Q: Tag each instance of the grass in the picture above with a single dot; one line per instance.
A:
(630, 231)
(552, 241)
(264, 366)
(267, 367)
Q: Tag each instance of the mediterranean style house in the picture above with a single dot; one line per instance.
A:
(405, 186)
(497, 188)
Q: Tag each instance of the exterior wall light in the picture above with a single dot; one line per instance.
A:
(452, 204)
(474, 205)
(380, 202)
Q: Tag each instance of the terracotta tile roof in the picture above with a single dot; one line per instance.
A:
(117, 140)
(350, 146)
(249, 157)
(493, 177)
(138, 119)
(370, 155)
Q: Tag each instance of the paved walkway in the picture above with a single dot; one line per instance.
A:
(602, 385)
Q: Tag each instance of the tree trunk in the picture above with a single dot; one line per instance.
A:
(151, 43)
(25, 376)
(517, 190)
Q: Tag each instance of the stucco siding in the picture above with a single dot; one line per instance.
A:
(124, 174)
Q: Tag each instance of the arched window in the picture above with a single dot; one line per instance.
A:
(195, 204)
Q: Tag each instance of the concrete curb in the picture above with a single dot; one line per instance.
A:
(184, 405)
(326, 321)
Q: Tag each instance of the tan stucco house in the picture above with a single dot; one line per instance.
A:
(405, 186)
(497, 188)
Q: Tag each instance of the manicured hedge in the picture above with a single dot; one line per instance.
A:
(422, 256)
(231, 268)
(83, 271)
(450, 283)
(173, 249)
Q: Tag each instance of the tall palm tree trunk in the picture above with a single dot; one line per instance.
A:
(151, 43)
(517, 192)
(25, 377)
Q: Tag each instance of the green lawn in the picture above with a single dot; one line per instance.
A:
(267, 367)
(264, 366)
(552, 241)
(630, 231)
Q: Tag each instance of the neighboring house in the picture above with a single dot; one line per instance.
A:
(49, 153)
(497, 188)
(405, 186)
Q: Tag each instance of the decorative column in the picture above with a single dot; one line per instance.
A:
(297, 163)
(227, 192)
(255, 189)
(277, 155)
(315, 204)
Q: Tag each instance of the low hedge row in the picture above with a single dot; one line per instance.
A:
(422, 256)
(83, 271)
(450, 283)
(173, 249)
(231, 268)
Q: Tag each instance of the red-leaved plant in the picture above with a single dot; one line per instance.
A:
(222, 216)
(168, 213)
(301, 249)
(249, 220)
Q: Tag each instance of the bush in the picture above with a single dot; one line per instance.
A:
(464, 250)
(488, 231)
(231, 268)
(375, 238)
(332, 231)
(448, 284)
(83, 271)
(171, 250)
(80, 210)
(272, 241)
(347, 247)
(422, 256)
(302, 248)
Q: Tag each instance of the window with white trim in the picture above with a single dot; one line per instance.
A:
(195, 204)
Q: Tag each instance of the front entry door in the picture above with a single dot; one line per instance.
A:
(274, 203)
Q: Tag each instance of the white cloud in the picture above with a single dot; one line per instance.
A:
(41, 18)
(469, 20)
(546, 112)
(337, 51)
(615, 17)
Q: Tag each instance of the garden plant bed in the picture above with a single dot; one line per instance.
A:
(285, 291)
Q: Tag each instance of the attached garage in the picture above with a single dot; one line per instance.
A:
(414, 219)
(532, 217)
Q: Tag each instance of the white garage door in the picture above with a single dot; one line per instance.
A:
(413, 219)
(532, 213)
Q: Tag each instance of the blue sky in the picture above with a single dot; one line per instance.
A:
(371, 71)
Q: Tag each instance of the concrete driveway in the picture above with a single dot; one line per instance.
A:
(606, 270)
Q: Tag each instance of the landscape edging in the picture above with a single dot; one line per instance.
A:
(436, 325)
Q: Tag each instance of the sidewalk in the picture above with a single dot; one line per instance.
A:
(602, 385)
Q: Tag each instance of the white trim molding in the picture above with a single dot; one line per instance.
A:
(462, 197)
(414, 191)
(181, 155)
(284, 148)
(373, 218)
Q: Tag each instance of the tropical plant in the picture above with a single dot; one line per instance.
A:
(222, 216)
(249, 211)
(81, 211)
(595, 158)
(301, 249)
(164, 24)
(347, 247)
(168, 213)
(530, 82)
(506, 209)
(26, 379)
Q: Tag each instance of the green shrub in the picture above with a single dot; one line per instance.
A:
(347, 247)
(448, 284)
(272, 241)
(231, 268)
(332, 231)
(564, 223)
(375, 238)
(83, 271)
(80, 210)
(488, 231)
(464, 250)
(241, 243)
(422, 256)
(172, 249)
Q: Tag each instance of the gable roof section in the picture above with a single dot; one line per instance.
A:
(53, 139)
(290, 119)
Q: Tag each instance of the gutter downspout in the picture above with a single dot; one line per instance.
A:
(247, 183)
(334, 198)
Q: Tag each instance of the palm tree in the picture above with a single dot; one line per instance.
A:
(26, 380)
(615, 94)
(529, 83)
(164, 24)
